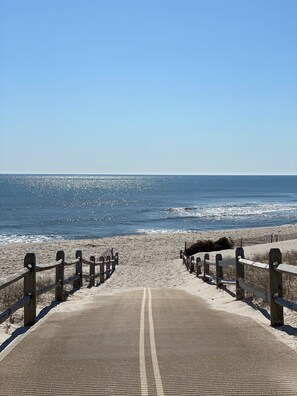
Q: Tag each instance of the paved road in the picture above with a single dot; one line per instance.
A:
(149, 342)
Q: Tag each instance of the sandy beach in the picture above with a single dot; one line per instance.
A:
(152, 261)
(135, 250)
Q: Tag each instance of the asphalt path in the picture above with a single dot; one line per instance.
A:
(148, 342)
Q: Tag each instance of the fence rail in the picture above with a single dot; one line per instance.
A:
(275, 270)
(106, 267)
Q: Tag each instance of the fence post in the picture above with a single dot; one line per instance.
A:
(117, 259)
(276, 288)
(219, 270)
(206, 267)
(78, 270)
(101, 266)
(113, 262)
(92, 272)
(30, 289)
(184, 259)
(192, 260)
(60, 276)
(240, 293)
(107, 267)
(188, 262)
(198, 268)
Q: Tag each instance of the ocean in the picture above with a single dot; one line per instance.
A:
(38, 208)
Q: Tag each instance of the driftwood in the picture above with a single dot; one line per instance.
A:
(209, 246)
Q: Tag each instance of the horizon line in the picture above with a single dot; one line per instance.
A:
(147, 174)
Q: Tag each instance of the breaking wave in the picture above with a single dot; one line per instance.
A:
(5, 239)
(159, 231)
(229, 211)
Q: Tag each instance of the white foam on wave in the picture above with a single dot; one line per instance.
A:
(152, 231)
(7, 239)
(234, 211)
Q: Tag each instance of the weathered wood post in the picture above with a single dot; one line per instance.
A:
(192, 261)
(276, 288)
(30, 289)
(101, 265)
(117, 259)
(206, 267)
(113, 262)
(198, 268)
(60, 276)
(219, 270)
(92, 272)
(239, 273)
(186, 261)
(107, 267)
(78, 270)
(186, 258)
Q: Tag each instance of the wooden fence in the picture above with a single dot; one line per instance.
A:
(275, 269)
(106, 267)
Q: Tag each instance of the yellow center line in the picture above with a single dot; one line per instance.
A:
(159, 385)
(143, 377)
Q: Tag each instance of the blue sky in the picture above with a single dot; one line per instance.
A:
(168, 87)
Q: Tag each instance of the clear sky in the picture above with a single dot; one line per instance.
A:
(148, 86)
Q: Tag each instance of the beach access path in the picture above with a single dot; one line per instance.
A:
(148, 342)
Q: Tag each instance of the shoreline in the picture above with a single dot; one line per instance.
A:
(165, 245)
(32, 239)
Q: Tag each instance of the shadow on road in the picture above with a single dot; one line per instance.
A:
(24, 329)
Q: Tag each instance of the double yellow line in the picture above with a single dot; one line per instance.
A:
(156, 369)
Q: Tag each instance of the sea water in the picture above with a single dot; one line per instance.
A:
(50, 207)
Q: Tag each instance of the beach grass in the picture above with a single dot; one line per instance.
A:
(15, 292)
(260, 278)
